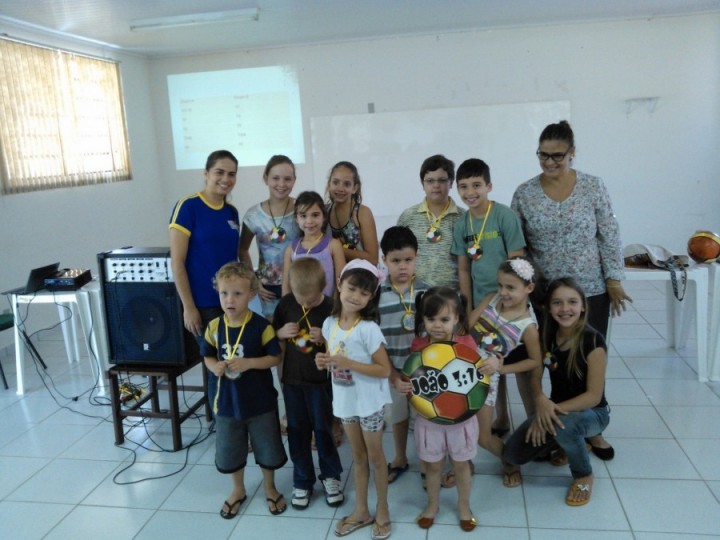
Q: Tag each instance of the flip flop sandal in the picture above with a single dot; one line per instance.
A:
(377, 527)
(346, 525)
(395, 472)
(230, 514)
(512, 479)
(576, 488)
(276, 503)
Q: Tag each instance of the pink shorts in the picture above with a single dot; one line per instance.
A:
(434, 441)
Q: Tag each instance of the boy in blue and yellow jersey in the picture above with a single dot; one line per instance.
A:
(240, 348)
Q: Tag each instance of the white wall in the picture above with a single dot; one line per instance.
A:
(73, 225)
(661, 168)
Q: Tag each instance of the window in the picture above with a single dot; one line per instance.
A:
(62, 121)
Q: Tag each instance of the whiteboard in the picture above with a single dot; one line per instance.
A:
(388, 148)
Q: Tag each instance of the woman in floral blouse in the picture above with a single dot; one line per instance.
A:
(570, 230)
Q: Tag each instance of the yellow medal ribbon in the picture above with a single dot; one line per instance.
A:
(302, 339)
(315, 243)
(305, 316)
(474, 251)
(408, 319)
(346, 378)
(234, 349)
(432, 233)
(347, 335)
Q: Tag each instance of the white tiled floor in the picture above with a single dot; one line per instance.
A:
(61, 476)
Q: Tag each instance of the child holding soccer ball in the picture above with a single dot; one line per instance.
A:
(441, 316)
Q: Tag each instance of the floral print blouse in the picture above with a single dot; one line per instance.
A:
(578, 237)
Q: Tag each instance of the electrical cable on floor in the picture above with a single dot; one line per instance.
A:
(43, 374)
(198, 439)
(135, 391)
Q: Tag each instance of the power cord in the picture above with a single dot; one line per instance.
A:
(201, 437)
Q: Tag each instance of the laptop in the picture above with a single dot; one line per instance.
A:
(36, 280)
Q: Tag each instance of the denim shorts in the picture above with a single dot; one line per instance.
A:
(231, 442)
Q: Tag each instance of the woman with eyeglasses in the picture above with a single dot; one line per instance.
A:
(432, 222)
(571, 230)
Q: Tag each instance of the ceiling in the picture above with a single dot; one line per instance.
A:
(292, 22)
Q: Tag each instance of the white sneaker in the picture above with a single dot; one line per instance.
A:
(301, 498)
(333, 494)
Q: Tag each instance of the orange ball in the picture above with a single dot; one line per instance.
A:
(704, 247)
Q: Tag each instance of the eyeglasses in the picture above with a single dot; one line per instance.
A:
(436, 181)
(557, 157)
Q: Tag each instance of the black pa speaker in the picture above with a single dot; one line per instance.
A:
(145, 324)
(143, 310)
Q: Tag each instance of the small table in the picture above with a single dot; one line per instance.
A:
(155, 373)
(714, 337)
(85, 303)
(697, 274)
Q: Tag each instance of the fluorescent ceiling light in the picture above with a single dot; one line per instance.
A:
(234, 15)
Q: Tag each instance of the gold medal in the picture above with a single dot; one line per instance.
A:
(408, 321)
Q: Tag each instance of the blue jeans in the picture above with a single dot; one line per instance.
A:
(309, 410)
(578, 425)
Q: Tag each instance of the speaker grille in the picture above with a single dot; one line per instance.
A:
(144, 323)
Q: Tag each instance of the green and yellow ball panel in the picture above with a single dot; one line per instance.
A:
(447, 386)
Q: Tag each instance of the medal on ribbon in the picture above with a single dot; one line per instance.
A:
(408, 321)
(550, 361)
(278, 235)
(474, 251)
(302, 341)
(433, 235)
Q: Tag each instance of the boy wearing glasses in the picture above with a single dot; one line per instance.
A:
(432, 222)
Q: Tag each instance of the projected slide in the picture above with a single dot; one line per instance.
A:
(253, 112)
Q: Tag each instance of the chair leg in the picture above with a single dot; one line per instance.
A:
(2, 374)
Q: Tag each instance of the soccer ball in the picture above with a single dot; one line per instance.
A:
(448, 387)
(704, 247)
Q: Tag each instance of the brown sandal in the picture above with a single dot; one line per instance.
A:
(580, 486)
(512, 479)
(558, 458)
